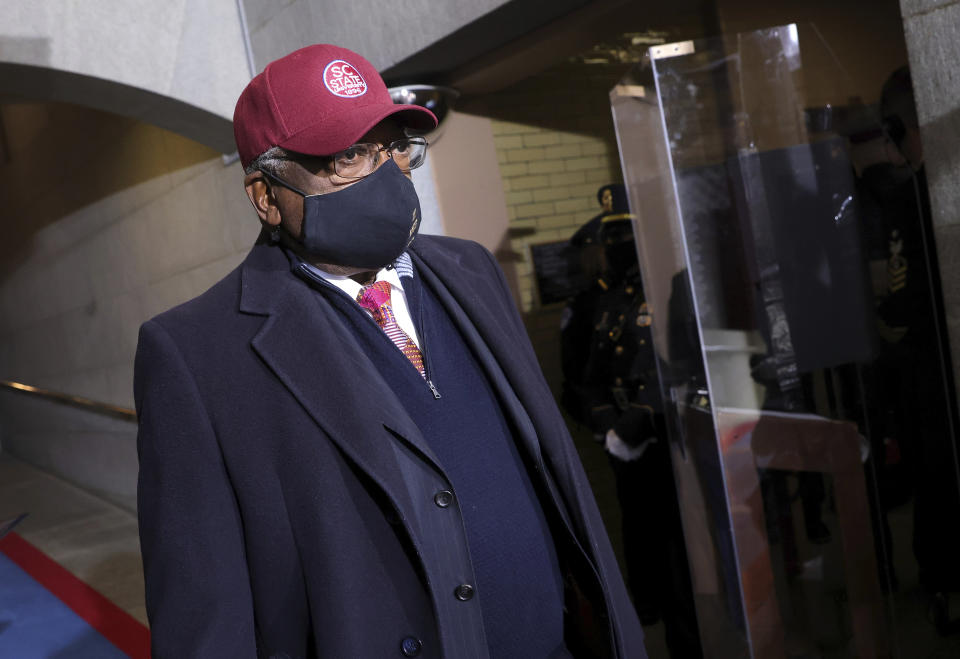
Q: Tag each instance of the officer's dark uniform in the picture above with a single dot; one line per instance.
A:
(609, 363)
(913, 407)
(611, 382)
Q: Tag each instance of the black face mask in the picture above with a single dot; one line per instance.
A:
(366, 225)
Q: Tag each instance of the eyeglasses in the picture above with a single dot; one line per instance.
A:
(362, 158)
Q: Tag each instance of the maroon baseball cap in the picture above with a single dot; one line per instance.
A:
(317, 100)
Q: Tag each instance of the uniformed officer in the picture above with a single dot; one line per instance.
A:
(611, 386)
(913, 415)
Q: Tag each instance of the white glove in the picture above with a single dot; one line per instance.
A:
(623, 451)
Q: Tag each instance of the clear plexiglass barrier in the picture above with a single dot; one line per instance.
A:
(759, 248)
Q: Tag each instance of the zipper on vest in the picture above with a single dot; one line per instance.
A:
(423, 345)
(310, 275)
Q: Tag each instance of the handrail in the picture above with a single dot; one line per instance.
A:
(75, 401)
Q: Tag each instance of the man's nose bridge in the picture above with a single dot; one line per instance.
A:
(383, 154)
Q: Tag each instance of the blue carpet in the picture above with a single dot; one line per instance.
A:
(34, 624)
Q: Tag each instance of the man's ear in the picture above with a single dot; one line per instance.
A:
(261, 195)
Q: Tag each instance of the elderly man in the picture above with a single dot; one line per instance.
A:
(347, 449)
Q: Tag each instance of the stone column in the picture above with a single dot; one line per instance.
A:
(932, 30)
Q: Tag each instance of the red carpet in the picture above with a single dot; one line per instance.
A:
(122, 630)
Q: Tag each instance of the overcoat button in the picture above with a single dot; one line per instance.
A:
(443, 498)
(464, 592)
(410, 646)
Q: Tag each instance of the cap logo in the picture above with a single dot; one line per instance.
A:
(343, 79)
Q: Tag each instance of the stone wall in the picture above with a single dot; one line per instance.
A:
(110, 222)
(409, 26)
(179, 64)
(933, 41)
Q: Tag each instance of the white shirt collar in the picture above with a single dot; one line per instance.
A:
(398, 299)
(351, 287)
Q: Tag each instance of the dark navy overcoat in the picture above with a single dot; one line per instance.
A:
(284, 497)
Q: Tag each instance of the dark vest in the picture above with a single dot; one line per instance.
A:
(516, 571)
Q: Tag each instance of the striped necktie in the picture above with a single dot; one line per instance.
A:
(376, 298)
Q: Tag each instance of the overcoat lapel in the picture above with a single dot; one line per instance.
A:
(307, 348)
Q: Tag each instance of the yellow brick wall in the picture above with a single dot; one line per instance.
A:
(556, 146)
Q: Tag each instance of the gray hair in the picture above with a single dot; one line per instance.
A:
(272, 161)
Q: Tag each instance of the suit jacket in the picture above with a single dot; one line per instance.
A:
(283, 515)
